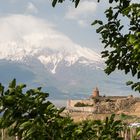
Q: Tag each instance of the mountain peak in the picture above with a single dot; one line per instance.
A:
(38, 39)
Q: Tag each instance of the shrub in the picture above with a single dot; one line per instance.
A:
(79, 104)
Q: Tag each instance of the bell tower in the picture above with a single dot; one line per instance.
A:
(95, 93)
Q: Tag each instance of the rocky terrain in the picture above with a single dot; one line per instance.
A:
(116, 105)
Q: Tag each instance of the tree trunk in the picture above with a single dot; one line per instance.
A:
(2, 134)
(18, 138)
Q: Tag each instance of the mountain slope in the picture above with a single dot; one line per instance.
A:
(76, 82)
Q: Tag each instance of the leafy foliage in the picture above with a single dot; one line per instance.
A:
(31, 117)
(28, 115)
(97, 130)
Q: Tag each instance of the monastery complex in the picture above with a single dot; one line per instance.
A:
(102, 104)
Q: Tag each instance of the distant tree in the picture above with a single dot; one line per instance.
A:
(121, 41)
(79, 104)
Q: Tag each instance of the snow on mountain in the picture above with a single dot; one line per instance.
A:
(23, 36)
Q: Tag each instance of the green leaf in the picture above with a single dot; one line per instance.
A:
(12, 84)
(61, 109)
(138, 75)
(132, 39)
(54, 3)
(25, 125)
(134, 71)
(99, 29)
(110, 1)
(129, 83)
(97, 22)
(76, 3)
(134, 85)
(1, 89)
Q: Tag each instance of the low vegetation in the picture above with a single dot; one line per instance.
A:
(79, 104)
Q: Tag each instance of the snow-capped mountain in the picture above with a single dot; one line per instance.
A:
(41, 42)
(50, 57)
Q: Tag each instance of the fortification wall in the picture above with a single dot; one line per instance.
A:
(103, 106)
(82, 109)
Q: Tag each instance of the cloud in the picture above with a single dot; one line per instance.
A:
(31, 8)
(82, 13)
(12, 1)
(28, 35)
(27, 29)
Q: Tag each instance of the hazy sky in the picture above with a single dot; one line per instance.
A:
(64, 18)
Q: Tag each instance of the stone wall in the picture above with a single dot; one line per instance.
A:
(82, 109)
(103, 106)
